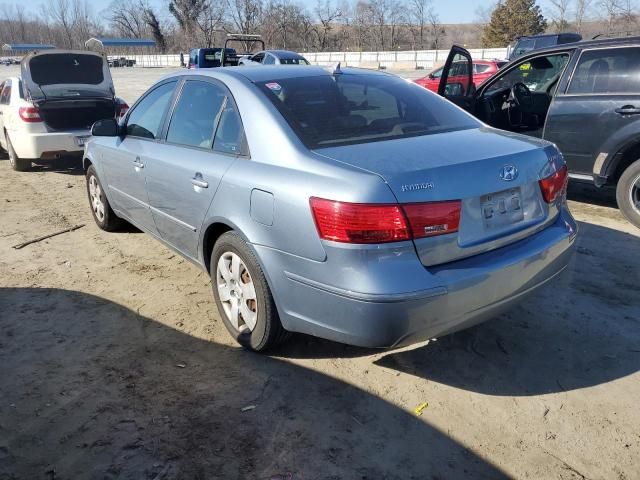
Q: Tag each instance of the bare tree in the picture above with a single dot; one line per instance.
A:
(154, 25)
(61, 13)
(210, 20)
(628, 15)
(437, 31)
(246, 15)
(610, 9)
(559, 13)
(582, 9)
(418, 12)
(125, 18)
(328, 14)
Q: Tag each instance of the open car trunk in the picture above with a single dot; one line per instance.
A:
(76, 114)
(71, 89)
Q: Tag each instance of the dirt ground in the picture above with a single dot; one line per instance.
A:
(114, 364)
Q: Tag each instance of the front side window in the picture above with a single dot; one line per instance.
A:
(538, 74)
(331, 110)
(195, 114)
(229, 134)
(613, 70)
(145, 119)
(480, 68)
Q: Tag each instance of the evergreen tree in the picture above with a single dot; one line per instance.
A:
(513, 18)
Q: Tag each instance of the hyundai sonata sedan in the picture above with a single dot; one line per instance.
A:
(346, 204)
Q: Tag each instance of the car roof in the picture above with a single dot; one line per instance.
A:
(600, 42)
(283, 53)
(273, 72)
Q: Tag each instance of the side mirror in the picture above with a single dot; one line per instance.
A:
(431, 76)
(106, 128)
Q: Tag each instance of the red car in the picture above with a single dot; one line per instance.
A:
(482, 69)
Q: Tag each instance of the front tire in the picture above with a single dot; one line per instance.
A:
(628, 193)
(242, 295)
(18, 164)
(103, 215)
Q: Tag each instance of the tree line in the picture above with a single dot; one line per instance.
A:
(327, 25)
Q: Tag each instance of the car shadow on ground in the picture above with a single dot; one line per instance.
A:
(90, 389)
(537, 349)
(69, 165)
(589, 193)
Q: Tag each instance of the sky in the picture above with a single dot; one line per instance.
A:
(450, 11)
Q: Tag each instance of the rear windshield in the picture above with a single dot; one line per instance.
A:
(343, 109)
(63, 68)
(293, 61)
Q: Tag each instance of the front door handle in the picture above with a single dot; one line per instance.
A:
(628, 110)
(137, 163)
(198, 181)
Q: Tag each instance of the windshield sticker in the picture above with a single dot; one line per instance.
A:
(273, 86)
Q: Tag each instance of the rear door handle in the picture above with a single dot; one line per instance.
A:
(198, 181)
(628, 110)
(137, 163)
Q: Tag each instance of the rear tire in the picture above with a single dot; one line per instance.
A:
(628, 193)
(240, 289)
(103, 215)
(18, 164)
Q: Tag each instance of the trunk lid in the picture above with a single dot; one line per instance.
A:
(66, 74)
(466, 165)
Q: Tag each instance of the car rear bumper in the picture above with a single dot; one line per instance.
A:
(448, 298)
(46, 146)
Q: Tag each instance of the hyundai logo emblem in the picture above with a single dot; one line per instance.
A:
(508, 173)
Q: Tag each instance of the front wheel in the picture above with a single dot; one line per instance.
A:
(242, 295)
(104, 216)
(628, 193)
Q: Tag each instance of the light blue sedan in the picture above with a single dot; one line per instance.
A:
(346, 204)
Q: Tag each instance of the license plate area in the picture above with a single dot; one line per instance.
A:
(82, 140)
(502, 209)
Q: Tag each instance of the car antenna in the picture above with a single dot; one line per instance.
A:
(336, 70)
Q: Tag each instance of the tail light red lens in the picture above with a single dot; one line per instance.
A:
(554, 185)
(381, 223)
(433, 218)
(123, 108)
(29, 114)
(359, 223)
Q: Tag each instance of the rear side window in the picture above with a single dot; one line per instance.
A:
(611, 70)
(294, 61)
(269, 60)
(480, 68)
(329, 110)
(195, 114)
(230, 134)
(145, 119)
(62, 68)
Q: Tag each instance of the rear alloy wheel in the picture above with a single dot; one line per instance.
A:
(242, 295)
(18, 164)
(105, 218)
(628, 193)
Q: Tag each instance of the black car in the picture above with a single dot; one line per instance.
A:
(527, 44)
(584, 97)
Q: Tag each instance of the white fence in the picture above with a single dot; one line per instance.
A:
(406, 60)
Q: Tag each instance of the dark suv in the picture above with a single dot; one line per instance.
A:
(584, 97)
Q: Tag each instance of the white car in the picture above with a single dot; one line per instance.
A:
(273, 57)
(48, 111)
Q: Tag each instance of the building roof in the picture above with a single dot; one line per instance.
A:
(25, 47)
(119, 42)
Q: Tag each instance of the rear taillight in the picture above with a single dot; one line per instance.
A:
(359, 223)
(123, 108)
(554, 185)
(381, 223)
(29, 114)
(433, 218)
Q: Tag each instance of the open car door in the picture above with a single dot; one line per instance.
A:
(456, 81)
